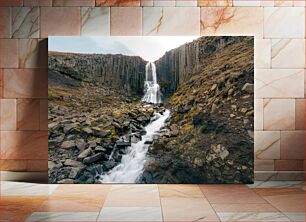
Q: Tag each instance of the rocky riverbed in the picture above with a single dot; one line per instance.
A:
(87, 138)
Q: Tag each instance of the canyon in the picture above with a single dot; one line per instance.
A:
(96, 114)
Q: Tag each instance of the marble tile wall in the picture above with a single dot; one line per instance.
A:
(278, 27)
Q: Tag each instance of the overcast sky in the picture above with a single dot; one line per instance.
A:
(147, 47)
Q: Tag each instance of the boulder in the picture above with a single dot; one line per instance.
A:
(93, 158)
(248, 87)
(104, 133)
(80, 144)
(100, 149)
(73, 163)
(87, 131)
(68, 144)
(84, 154)
(74, 172)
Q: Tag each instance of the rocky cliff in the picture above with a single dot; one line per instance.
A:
(209, 138)
(179, 64)
(118, 71)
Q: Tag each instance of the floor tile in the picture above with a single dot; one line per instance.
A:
(187, 209)
(228, 207)
(285, 200)
(296, 216)
(63, 216)
(276, 184)
(230, 194)
(26, 189)
(71, 204)
(274, 216)
(95, 191)
(18, 208)
(130, 214)
(190, 191)
(133, 196)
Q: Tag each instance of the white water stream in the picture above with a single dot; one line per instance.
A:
(133, 161)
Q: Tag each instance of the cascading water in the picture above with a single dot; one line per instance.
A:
(132, 163)
(151, 88)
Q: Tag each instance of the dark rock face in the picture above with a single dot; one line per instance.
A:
(117, 71)
(209, 136)
(179, 64)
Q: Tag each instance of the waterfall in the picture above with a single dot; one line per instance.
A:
(152, 92)
(132, 163)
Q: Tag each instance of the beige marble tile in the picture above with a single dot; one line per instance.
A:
(296, 216)
(73, 2)
(63, 216)
(283, 50)
(305, 84)
(264, 165)
(133, 196)
(249, 3)
(37, 165)
(285, 199)
(6, 3)
(263, 207)
(33, 53)
(279, 176)
(126, 21)
(230, 193)
(292, 145)
(123, 3)
(5, 22)
(262, 53)
(279, 83)
(25, 22)
(27, 114)
(232, 21)
(267, 145)
(187, 209)
(266, 3)
(289, 165)
(278, 19)
(300, 114)
(220, 3)
(183, 191)
(8, 114)
(37, 2)
(186, 3)
(23, 144)
(95, 21)
(13, 165)
(283, 3)
(299, 3)
(8, 53)
(130, 214)
(253, 216)
(162, 3)
(258, 116)
(171, 21)
(25, 83)
(146, 3)
(51, 17)
(279, 114)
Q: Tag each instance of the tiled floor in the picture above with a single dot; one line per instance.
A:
(268, 201)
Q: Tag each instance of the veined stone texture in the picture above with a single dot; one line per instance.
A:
(278, 27)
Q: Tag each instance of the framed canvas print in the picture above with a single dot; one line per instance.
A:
(151, 109)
